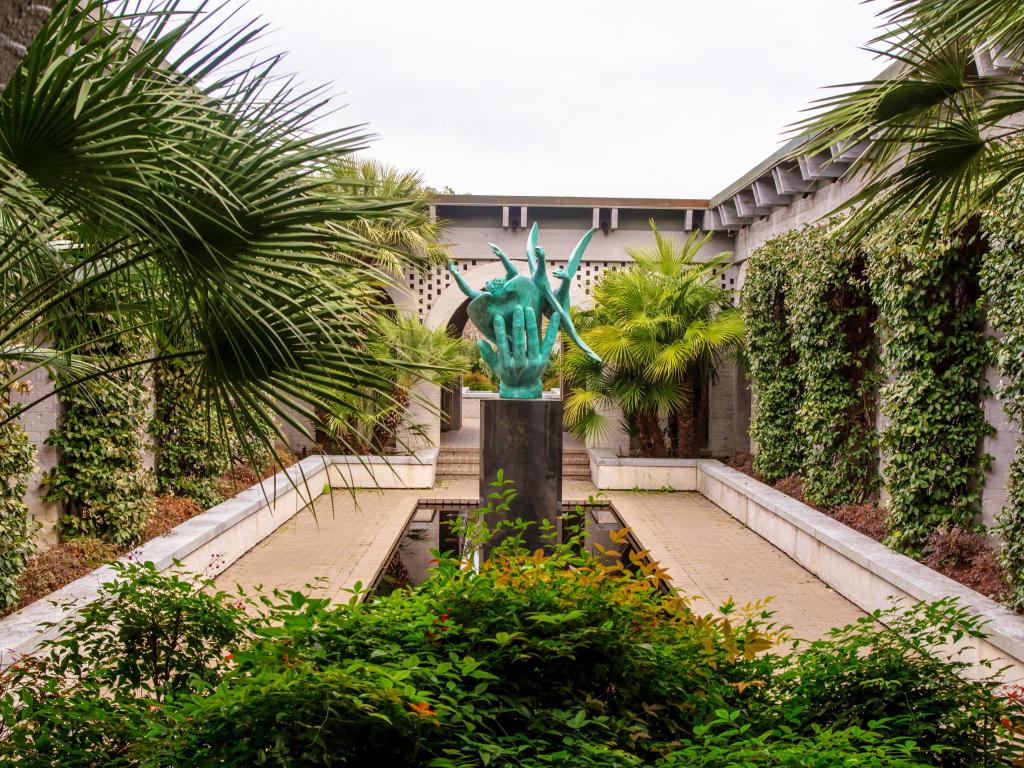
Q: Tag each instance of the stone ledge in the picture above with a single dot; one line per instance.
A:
(223, 533)
(905, 577)
(609, 471)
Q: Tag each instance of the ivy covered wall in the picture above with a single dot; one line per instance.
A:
(1002, 282)
(772, 359)
(101, 478)
(16, 461)
(934, 358)
(831, 316)
(907, 327)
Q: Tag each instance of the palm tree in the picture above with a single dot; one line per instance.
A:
(941, 125)
(190, 176)
(407, 228)
(408, 352)
(659, 325)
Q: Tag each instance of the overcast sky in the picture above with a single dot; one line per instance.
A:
(658, 98)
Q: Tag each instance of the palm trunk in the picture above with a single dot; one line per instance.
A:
(686, 423)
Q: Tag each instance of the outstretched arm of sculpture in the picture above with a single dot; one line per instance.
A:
(465, 287)
(531, 249)
(558, 308)
(567, 274)
(510, 268)
(520, 361)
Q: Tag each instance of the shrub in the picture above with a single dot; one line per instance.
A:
(534, 660)
(889, 672)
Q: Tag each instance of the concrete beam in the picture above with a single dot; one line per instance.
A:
(766, 195)
(729, 217)
(747, 206)
(820, 166)
(848, 151)
(788, 180)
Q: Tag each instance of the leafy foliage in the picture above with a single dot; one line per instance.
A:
(366, 420)
(534, 660)
(830, 316)
(939, 144)
(659, 326)
(17, 458)
(889, 669)
(406, 229)
(772, 358)
(1002, 280)
(934, 357)
(189, 171)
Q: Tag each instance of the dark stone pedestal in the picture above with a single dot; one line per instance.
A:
(523, 438)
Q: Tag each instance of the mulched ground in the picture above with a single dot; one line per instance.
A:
(963, 556)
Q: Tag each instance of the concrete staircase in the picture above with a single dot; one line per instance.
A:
(455, 462)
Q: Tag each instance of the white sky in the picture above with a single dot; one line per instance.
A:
(649, 98)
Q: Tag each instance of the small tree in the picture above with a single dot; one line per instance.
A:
(660, 326)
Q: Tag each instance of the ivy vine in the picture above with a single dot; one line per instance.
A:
(772, 359)
(17, 458)
(191, 453)
(1002, 281)
(934, 356)
(831, 316)
(100, 478)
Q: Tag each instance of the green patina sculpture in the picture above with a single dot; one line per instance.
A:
(509, 312)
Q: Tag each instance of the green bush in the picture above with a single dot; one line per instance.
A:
(535, 660)
(17, 457)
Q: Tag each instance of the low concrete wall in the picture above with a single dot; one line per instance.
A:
(610, 472)
(867, 573)
(416, 471)
(213, 540)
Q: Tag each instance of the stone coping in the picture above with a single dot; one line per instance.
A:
(295, 488)
(1005, 628)
(606, 457)
(418, 458)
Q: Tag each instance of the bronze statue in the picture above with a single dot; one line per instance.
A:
(520, 303)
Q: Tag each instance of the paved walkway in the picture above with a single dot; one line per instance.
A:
(705, 551)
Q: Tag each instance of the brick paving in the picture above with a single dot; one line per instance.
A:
(705, 551)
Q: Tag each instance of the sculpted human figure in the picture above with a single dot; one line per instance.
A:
(517, 305)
